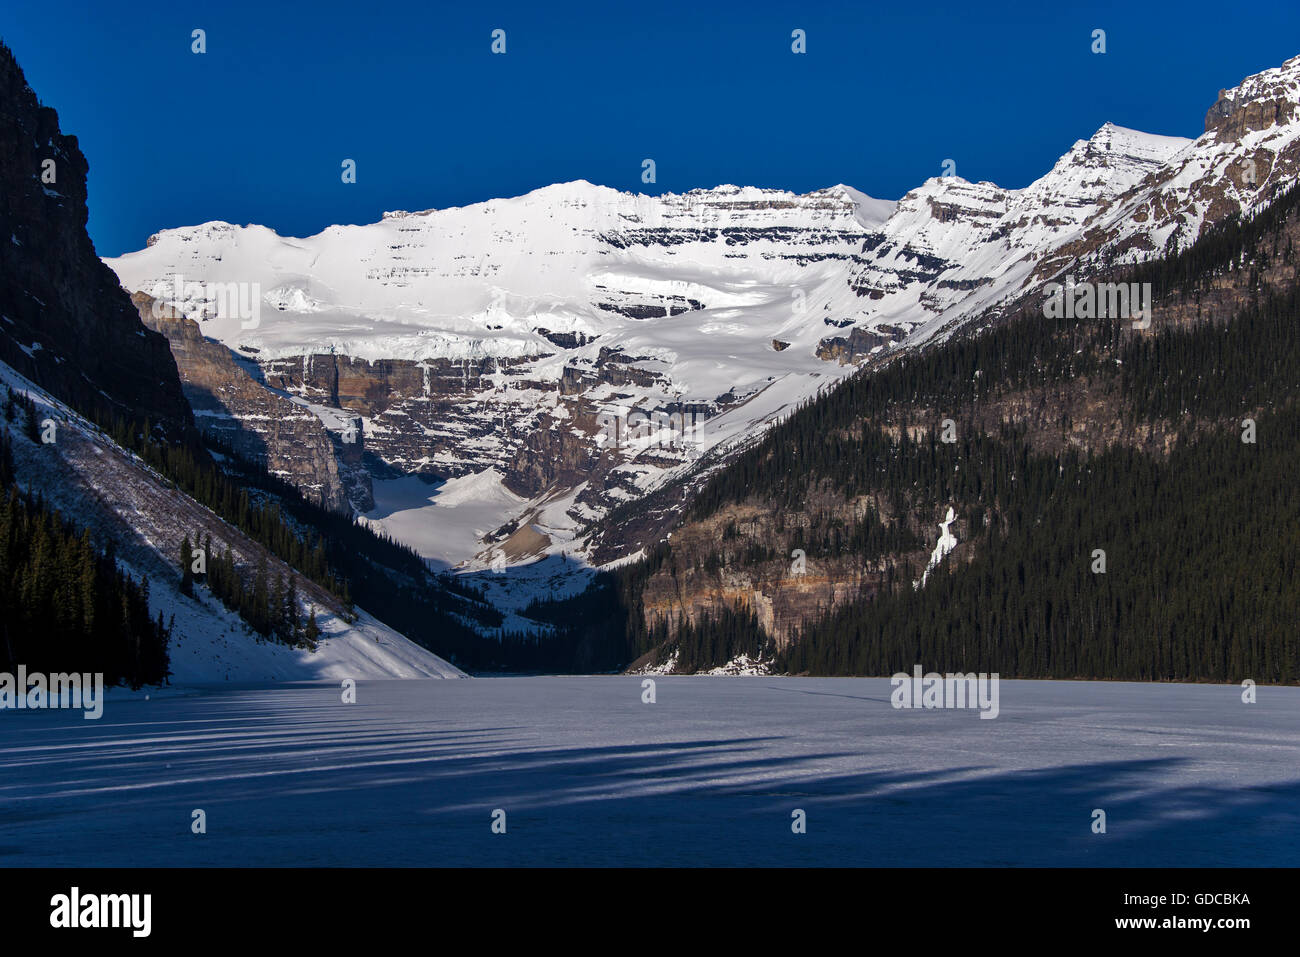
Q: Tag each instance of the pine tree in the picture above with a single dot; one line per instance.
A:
(32, 426)
(260, 616)
(293, 627)
(187, 574)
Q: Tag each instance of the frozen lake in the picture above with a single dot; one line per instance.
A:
(709, 774)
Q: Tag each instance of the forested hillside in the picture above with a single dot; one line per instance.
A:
(64, 603)
(1064, 446)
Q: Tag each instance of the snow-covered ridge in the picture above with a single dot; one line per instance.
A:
(954, 248)
(582, 194)
(479, 280)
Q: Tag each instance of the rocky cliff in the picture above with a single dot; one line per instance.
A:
(257, 423)
(65, 321)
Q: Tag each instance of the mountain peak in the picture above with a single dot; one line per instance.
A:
(1113, 140)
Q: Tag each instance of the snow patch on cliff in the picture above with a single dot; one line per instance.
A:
(947, 542)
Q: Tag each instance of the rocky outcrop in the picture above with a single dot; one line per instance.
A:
(257, 423)
(65, 322)
(859, 343)
(420, 414)
(1264, 100)
(551, 456)
(744, 555)
(428, 416)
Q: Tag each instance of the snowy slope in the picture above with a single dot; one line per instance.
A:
(444, 521)
(98, 485)
(478, 280)
(210, 644)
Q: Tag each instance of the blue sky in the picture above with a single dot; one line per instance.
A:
(255, 129)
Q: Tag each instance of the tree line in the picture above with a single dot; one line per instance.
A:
(65, 603)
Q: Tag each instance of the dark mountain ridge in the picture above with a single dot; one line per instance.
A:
(67, 324)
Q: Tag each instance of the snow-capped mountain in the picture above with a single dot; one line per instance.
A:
(505, 278)
(488, 340)
(953, 248)
(498, 341)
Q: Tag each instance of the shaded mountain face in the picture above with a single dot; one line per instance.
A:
(65, 321)
(261, 425)
(75, 352)
(517, 338)
(144, 517)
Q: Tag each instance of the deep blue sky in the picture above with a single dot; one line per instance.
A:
(255, 129)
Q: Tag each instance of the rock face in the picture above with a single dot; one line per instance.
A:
(258, 424)
(860, 343)
(712, 566)
(1268, 99)
(65, 322)
(428, 417)
(420, 417)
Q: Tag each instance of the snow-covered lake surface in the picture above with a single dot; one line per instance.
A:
(443, 521)
(709, 774)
